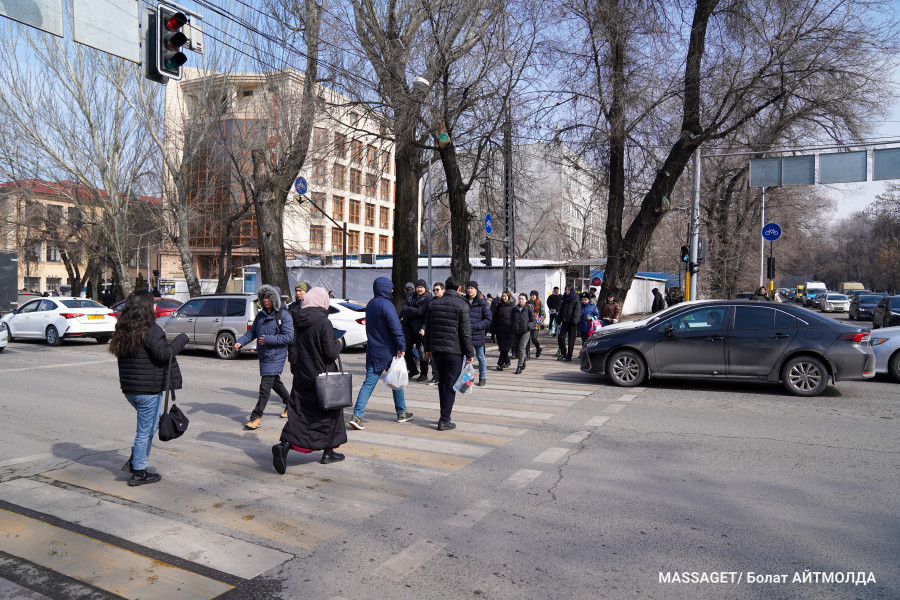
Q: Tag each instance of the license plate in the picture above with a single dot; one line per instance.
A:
(95, 317)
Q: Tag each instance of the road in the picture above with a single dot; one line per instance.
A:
(554, 484)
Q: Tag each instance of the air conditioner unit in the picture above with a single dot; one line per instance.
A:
(327, 260)
(367, 259)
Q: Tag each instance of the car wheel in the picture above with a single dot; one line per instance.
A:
(52, 336)
(103, 339)
(894, 366)
(225, 346)
(804, 376)
(9, 336)
(343, 344)
(626, 368)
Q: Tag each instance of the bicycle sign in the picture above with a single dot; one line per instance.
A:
(771, 232)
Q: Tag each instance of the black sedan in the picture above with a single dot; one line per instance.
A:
(862, 306)
(739, 339)
(887, 312)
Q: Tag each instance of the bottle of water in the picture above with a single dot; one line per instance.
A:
(465, 380)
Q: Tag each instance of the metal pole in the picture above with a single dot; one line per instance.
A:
(509, 262)
(695, 224)
(430, 222)
(762, 241)
(344, 264)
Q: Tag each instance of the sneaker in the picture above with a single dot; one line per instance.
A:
(481, 382)
(279, 457)
(253, 423)
(143, 477)
(537, 353)
(356, 422)
(330, 456)
(433, 381)
(445, 425)
(422, 377)
(284, 414)
(404, 417)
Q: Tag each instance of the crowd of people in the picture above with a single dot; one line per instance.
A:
(438, 330)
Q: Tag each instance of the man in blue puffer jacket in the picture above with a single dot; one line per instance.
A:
(385, 341)
(273, 328)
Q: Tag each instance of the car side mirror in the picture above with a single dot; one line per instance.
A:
(14, 311)
(669, 330)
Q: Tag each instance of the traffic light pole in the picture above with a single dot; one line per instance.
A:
(691, 281)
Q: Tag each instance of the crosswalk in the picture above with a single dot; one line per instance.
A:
(221, 516)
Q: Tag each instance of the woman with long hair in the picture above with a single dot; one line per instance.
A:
(143, 353)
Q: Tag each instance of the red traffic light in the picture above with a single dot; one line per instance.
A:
(176, 22)
(170, 39)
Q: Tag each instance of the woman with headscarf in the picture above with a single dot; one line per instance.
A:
(310, 428)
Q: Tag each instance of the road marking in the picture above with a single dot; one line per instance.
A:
(521, 478)
(470, 516)
(626, 398)
(191, 543)
(512, 413)
(613, 408)
(597, 421)
(408, 560)
(432, 444)
(577, 437)
(56, 366)
(403, 455)
(100, 564)
(550, 455)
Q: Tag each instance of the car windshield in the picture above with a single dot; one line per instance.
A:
(895, 302)
(81, 303)
(840, 297)
(353, 306)
(870, 300)
(168, 303)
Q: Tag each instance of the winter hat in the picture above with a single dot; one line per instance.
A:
(473, 284)
(316, 298)
(534, 293)
(302, 285)
(409, 286)
(585, 295)
(421, 282)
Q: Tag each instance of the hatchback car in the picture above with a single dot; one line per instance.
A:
(213, 322)
(834, 303)
(886, 345)
(887, 312)
(54, 319)
(349, 316)
(164, 307)
(861, 307)
(740, 340)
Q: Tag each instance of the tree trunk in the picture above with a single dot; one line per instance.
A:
(406, 219)
(460, 239)
(269, 212)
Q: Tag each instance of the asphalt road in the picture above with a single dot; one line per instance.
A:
(554, 484)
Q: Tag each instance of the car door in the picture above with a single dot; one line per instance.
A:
(22, 324)
(182, 320)
(757, 339)
(209, 321)
(45, 315)
(693, 343)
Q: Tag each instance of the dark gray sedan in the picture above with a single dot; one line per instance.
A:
(737, 340)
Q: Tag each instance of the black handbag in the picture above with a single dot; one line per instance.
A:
(334, 390)
(172, 423)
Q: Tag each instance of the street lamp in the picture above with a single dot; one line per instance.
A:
(300, 200)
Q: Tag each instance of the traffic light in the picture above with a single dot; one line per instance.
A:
(685, 254)
(770, 267)
(486, 252)
(169, 40)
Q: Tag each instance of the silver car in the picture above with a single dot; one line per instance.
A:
(834, 303)
(886, 345)
(214, 322)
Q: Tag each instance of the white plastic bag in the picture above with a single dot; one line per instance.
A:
(466, 379)
(396, 377)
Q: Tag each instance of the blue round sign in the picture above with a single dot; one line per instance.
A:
(300, 185)
(771, 232)
(487, 223)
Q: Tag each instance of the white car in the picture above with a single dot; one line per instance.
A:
(4, 338)
(58, 317)
(349, 316)
(834, 303)
(886, 345)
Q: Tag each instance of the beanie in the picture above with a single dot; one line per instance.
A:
(302, 285)
(473, 284)
(422, 283)
(409, 286)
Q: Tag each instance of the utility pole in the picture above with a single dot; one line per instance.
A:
(509, 212)
(694, 234)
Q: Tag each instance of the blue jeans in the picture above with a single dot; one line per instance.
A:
(365, 391)
(482, 365)
(149, 409)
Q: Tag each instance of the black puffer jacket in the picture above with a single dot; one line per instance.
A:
(481, 317)
(144, 371)
(448, 326)
(503, 324)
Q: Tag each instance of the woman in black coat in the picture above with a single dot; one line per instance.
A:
(143, 352)
(309, 427)
(522, 324)
(502, 326)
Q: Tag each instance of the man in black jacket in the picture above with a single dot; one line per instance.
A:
(412, 317)
(554, 301)
(448, 336)
(568, 317)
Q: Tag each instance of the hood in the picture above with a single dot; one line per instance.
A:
(272, 292)
(570, 296)
(383, 287)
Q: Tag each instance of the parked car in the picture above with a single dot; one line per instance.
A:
(349, 316)
(887, 312)
(56, 318)
(886, 345)
(862, 306)
(164, 307)
(214, 322)
(4, 337)
(811, 300)
(834, 303)
(735, 339)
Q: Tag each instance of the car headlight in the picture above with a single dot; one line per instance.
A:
(877, 341)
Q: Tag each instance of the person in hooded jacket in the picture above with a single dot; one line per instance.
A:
(568, 317)
(502, 326)
(659, 302)
(273, 328)
(310, 428)
(480, 314)
(522, 325)
(589, 312)
(385, 341)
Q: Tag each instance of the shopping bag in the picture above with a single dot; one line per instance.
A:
(396, 377)
(465, 380)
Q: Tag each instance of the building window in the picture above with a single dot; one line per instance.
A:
(337, 240)
(53, 284)
(356, 151)
(339, 176)
(73, 214)
(384, 217)
(385, 190)
(371, 157)
(33, 284)
(320, 173)
(352, 242)
(340, 145)
(386, 161)
(371, 185)
(318, 200)
(337, 208)
(369, 243)
(370, 215)
(355, 181)
(316, 237)
(52, 253)
(382, 244)
(354, 211)
(354, 119)
(54, 214)
(320, 137)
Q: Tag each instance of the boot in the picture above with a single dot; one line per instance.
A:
(279, 457)
(482, 381)
(518, 370)
(423, 371)
(537, 353)
(143, 477)
(330, 456)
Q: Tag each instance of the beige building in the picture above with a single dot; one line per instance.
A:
(349, 168)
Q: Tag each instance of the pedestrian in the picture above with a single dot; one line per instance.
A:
(385, 341)
(480, 314)
(412, 316)
(554, 301)
(589, 312)
(273, 330)
(659, 302)
(330, 294)
(299, 291)
(502, 326)
(522, 326)
(310, 428)
(438, 289)
(143, 355)
(762, 294)
(568, 317)
(611, 310)
(448, 338)
(593, 296)
(535, 304)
